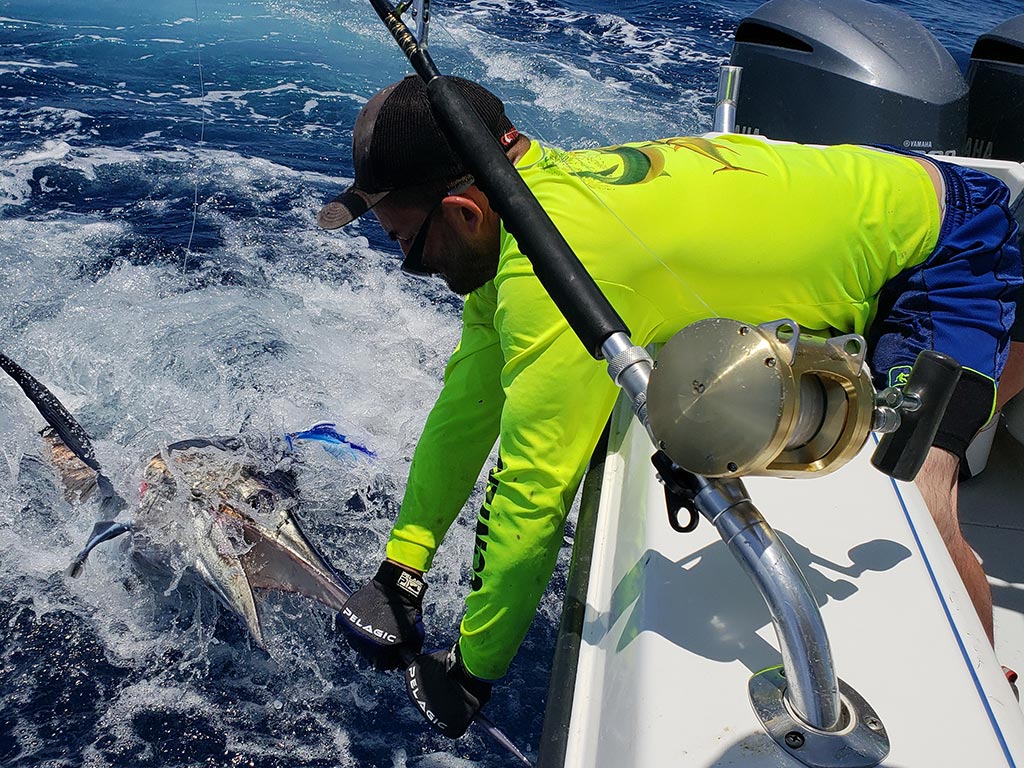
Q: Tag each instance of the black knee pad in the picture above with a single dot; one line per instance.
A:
(968, 411)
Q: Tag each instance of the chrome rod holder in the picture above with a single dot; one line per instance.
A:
(728, 92)
(813, 690)
(803, 705)
(860, 742)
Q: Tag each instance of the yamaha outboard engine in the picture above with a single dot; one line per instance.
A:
(837, 71)
(995, 120)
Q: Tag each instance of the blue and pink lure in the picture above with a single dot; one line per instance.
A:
(333, 442)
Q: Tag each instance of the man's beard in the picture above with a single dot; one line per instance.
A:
(468, 268)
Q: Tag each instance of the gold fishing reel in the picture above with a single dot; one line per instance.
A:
(728, 399)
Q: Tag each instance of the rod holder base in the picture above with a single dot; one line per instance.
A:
(859, 742)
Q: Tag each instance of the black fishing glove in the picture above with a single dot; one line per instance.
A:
(383, 619)
(444, 692)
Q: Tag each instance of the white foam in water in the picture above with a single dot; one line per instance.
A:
(27, 22)
(52, 150)
(29, 66)
(559, 74)
(143, 360)
(269, 325)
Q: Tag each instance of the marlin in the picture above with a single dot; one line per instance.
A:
(221, 506)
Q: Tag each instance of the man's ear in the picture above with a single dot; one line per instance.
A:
(466, 210)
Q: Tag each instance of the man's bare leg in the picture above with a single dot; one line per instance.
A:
(937, 482)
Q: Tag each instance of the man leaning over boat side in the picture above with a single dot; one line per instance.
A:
(912, 253)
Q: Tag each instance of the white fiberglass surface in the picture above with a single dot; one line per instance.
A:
(674, 629)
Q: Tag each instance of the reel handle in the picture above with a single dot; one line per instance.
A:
(900, 454)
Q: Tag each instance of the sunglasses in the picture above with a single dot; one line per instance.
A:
(413, 262)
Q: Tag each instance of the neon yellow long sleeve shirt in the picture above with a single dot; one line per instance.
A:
(673, 231)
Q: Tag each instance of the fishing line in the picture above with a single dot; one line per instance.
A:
(560, 158)
(200, 143)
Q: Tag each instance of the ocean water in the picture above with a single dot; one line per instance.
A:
(160, 270)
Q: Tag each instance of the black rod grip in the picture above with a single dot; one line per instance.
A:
(900, 454)
(566, 280)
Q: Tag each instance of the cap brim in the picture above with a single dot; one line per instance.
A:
(347, 207)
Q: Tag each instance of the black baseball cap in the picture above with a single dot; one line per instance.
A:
(397, 144)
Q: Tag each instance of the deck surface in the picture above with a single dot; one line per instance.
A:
(992, 515)
(670, 613)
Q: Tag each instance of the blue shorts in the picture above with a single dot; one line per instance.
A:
(1017, 332)
(961, 300)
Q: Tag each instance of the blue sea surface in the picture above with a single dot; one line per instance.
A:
(161, 166)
